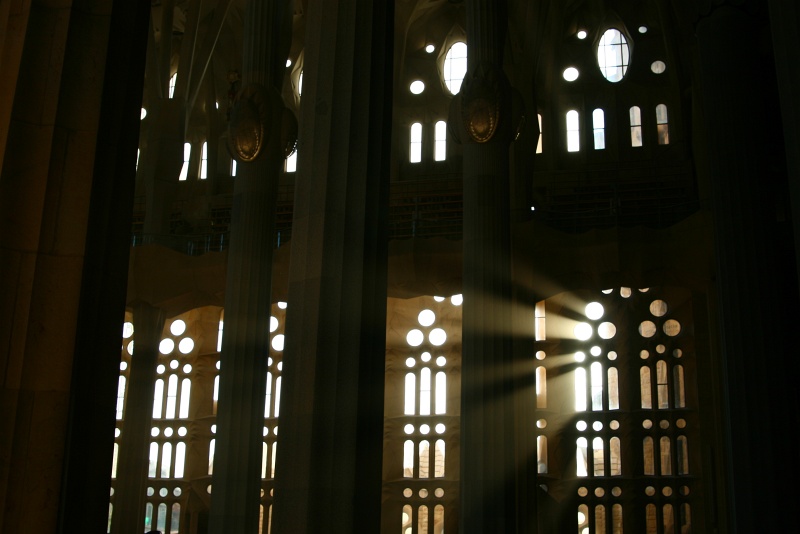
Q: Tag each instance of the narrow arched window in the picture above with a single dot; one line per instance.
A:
(415, 148)
(204, 161)
(662, 123)
(539, 141)
(172, 81)
(599, 126)
(187, 153)
(440, 141)
(636, 126)
(291, 163)
(573, 131)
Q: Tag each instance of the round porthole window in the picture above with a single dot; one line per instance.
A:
(613, 55)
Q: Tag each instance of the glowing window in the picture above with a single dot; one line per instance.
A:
(455, 66)
(662, 124)
(440, 141)
(658, 67)
(172, 81)
(636, 126)
(613, 55)
(300, 84)
(573, 131)
(539, 141)
(233, 167)
(291, 162)
(570, 74)
(187, 153)
(204, 161)
(599, 127)
(415, 148)
(416, 87)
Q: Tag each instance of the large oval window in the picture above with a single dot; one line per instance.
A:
(455, 66)
(613, 55)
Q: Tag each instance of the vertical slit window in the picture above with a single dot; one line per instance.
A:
(166, 459)
(541, 454)
(120, 396)
(663, 386)
(408, 459)
(151, 470)
(613, 389)
(647, 450)
(438, 518)
(162, 517)
(596, 371)
(616, 461)
(541, 387)
(683, 456)
(114, 461)
(647, 397)
(616, 519)
(583, 518)
(186, 390)
(180, 459)
(651, 519)
(211, 456)
(405, 525)
(680, 391)
(415, 148)
(233, 172)
(172, 81)
(291, 162)
(439, 459)
(148, 517)
(441, 393)
(422, 519)
(264, 458)
(410, 394)
(158, 399)
(539, 140)
(662, 124)
(424, 459)
(172, 394)
(686, 518)
(175, 519)
(440, 141)
(268, 396)
(581, 460)
(425, 391)
(272, 460)
(599, 125)
(666, 456)
(540, 318)
(187, 154)
(600, 519)
(204, 161)
(216, 394)
(276, 411)
(669, 518)
(598, 457)
(573, 131)
(636, 126)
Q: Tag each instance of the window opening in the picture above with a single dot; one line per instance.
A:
(662, 124)
(636, 126)
(599, 125)
(204, 161)
(440, 141)
(613, 55)
(455, 66)
(415, 149)
(187, 153)
(573, 131)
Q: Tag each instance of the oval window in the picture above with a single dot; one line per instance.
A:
(455, 66)
(613, 55)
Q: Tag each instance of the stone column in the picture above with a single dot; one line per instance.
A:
(756, 276)
(132, 462)
(236, 483)
(482, 117)
(328, 472)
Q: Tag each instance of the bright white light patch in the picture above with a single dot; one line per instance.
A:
(282, 305)
(186, 345)
(580, 356)
(416, 87)
(288, 62)
(581, 34)
(166, 346)
(583, 331)
(438, 299)
(571, 74)
(415, 338)
(595, 350)
(430, 48)
(144, 113)
(410, 362)
(426, 317)
(177, 327)
(457, 300)
(437, 337)
(408, 429)
(425, 356)
(594, 310)
(277, 342)
(273, 324)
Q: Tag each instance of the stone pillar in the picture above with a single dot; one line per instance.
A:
(236, 483)
(756, 276)
(133, 459)
(482, 117)
(328, 472)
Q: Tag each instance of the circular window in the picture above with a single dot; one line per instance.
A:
(416, 87)
(613, 55)
(571, 74)
(455, 66)
(658, 67)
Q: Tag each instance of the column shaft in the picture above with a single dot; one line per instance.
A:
(328, 473)
(132, 462)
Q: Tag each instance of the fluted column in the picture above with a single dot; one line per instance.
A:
(236, 483)
(328, 472)
(132, 462)
(756, 276)
(482, 117)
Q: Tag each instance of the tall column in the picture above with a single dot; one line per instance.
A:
(258, 141)
(328, 472)
(482, 115)
(756, 275)
(132, 462)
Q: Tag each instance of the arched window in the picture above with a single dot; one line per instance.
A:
(187, 153)
(573, 131)
(440, 141)
(455, 66)
(636, 126)
(662, 124)
(415, 147)
(599, 125)
(539, 140)
(204, 161)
